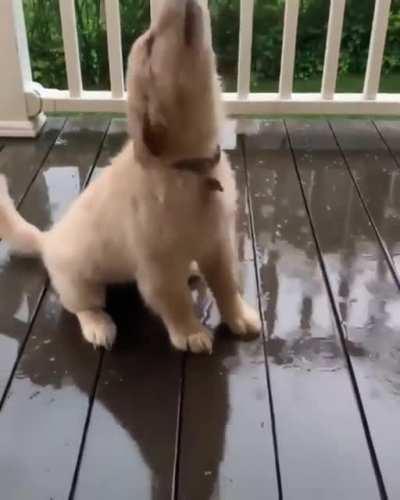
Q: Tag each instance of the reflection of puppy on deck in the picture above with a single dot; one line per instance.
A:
(168, 199)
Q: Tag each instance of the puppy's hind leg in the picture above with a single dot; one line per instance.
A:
(87, 301)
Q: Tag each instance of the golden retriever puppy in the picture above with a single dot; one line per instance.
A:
(167, 200)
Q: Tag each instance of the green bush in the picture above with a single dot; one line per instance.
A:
(44, 32)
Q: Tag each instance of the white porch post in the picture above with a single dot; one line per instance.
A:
(20, 114)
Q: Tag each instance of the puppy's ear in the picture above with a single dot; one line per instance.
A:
(154, 136)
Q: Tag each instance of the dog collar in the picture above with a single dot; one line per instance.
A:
(202, 166)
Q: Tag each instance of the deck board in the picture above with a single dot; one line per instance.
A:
(19, 161)
(55, 374)
(130, 446)
(146, 422)
(136, 400)
(377, 176)
(116, 137)
(322, 449)
(226, 445)
(373, 322)
(390, 133)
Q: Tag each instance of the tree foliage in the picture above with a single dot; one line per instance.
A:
(46, 48)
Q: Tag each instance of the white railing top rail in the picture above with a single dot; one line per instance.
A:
(242, 102)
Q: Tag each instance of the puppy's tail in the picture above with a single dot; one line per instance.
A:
(21, 236)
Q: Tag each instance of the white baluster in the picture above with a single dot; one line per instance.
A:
(71, 47)
(288, 48)
(113, 22)
(332, 51)
(245, 45)
(376, 48)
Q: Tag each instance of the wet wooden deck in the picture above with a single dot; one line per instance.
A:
(311, 411)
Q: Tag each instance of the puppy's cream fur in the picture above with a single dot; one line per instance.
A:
(142, 219)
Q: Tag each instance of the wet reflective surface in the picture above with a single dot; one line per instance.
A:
(227, 448)
(376, 173)
(165, 425)
(322, 448)
(363, 284)
(42, 417)
(116, 138)
(130, 444)
(244, 239)
(20, 160)
(138, 404)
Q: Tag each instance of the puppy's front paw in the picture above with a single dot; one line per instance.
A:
(98, 328)
(244, 321)
(198, 342)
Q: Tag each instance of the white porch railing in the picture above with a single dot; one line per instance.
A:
(24, 102)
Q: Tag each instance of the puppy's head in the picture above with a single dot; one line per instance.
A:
(174, 102)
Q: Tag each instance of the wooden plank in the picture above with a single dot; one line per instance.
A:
(226, 443)
(138, 462)
(377, 177)
(42, 418)
(116, 137)
(19, 161)
(22, 158)
(135, 413)
(244, 233)
(373, 323)
(322, 448)
(21, 281)
(390, 132)
(144, 427)
(41, 423)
